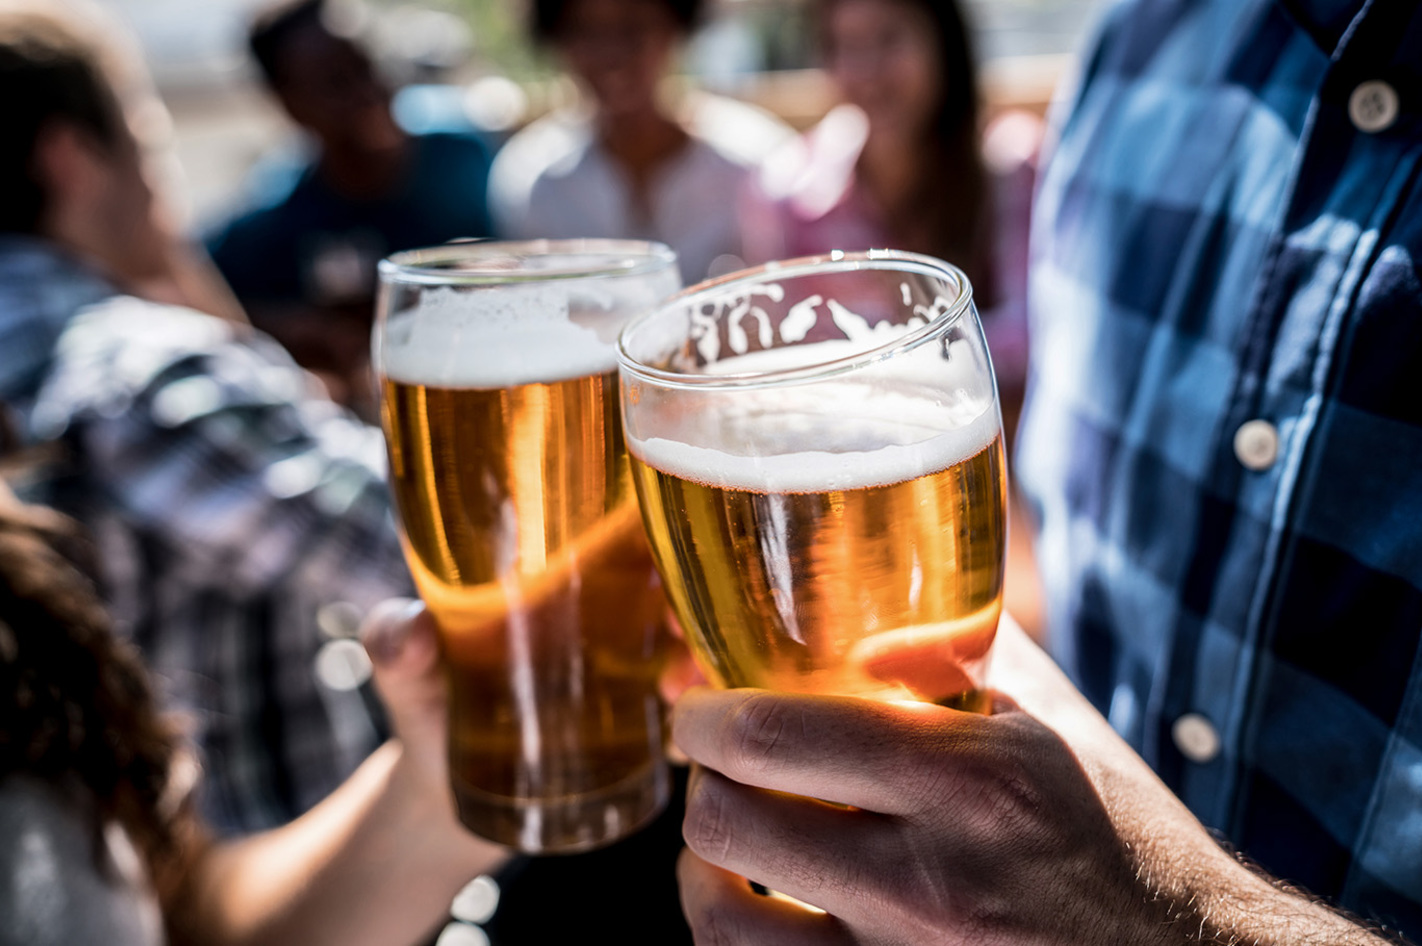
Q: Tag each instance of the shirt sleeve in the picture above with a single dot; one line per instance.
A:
(235, 507)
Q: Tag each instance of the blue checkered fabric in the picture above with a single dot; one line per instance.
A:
(1229, 230)
(230, 503)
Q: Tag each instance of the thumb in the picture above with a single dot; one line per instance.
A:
(399, 635)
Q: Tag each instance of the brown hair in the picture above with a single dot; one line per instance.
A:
(955, 200)
(546, 17)
(274, 25)
(82, 711)
(48, 70)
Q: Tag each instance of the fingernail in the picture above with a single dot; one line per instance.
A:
(388, 628)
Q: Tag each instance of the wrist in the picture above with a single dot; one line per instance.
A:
(421, 811)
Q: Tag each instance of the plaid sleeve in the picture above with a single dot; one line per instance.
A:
(234, 506)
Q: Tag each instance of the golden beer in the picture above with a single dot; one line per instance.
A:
(521, 528)
(888, 591)
(818, 453)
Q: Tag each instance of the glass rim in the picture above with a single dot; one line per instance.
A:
(458, 263)
(833, 262)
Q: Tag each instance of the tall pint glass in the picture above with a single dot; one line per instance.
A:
(817, 446)
(497, 365)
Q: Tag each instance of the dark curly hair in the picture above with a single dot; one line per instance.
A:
(546, 17)
(274, 25)
(81, 711)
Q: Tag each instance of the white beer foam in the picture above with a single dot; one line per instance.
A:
(494, 339)
(775, 441)
(817, 471)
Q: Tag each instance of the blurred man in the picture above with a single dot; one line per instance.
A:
(235, 507)
(241, 517)
(1223, 440)
(624, 163)
(302, 259)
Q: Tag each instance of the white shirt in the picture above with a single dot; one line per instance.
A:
(56, 889)
(553, 180)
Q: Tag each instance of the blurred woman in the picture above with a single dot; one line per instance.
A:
(627, 162)
(903, 162)
(98, 842)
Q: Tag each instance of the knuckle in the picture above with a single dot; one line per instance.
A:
(714, 924)
(1010, 800)
(757, 730)
(705, 825)
(985, 918)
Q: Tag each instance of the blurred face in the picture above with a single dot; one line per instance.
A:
(329, 86)
(883, 55)
(114, 203)
(619, 50)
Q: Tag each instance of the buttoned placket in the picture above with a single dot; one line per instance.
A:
(1265, 437)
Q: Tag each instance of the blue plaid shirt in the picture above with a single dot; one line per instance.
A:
(1223, 440)
(233, 507)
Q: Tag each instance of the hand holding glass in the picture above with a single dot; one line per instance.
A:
(817, 446)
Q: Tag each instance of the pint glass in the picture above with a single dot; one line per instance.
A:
(497, 366)
(817, 446)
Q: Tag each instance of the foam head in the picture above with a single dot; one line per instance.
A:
(520, 330)
(869, 428)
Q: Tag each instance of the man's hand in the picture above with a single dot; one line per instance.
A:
(963, 828)
(958, 828)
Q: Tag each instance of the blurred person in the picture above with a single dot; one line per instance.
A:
(134, 233)
(302, 256)
(904, 162)
(1223, 446)
(625, 162)
(240, 518)
(232, 503)
(901, 162)
(98, 840)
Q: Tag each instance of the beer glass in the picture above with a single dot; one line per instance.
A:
(497, 366)
(817, 446)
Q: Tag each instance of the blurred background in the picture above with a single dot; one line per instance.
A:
(468, 62)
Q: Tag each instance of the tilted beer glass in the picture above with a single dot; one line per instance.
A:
(497, 367)
(818, 452)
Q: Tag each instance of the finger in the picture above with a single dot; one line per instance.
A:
(849, 751)
(722, 909)
(392, 640)
(815, 852)
(399, 635)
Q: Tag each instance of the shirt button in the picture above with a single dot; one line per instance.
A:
(1373, 106)
(1256, 444)
(1196, 738)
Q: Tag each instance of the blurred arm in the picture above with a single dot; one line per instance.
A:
(379, 860)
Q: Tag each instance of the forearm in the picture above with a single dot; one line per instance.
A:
(370, 864)
(1214, 898)
(1201, 892)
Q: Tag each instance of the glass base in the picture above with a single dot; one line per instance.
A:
(565, 825)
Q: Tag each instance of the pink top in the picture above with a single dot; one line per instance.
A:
(805, 200)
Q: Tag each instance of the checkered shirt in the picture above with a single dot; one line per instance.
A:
(1223, 442)
(232, 504)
